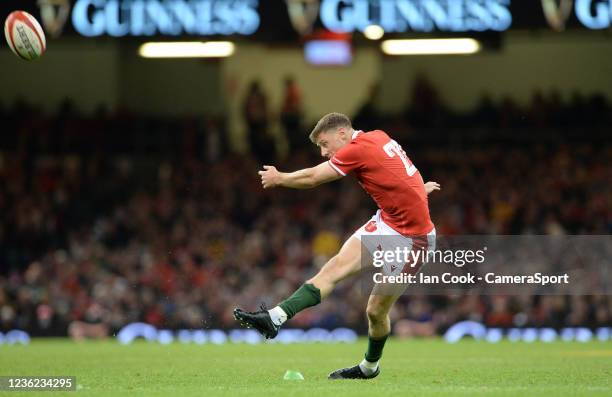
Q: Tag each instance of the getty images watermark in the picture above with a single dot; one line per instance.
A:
(402, 257)
(514, 265)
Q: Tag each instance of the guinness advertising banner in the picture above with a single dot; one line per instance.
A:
(288, 20)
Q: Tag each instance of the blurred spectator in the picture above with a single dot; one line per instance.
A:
(426, 109)
(256, 118)
(291, 115)
(368, 117)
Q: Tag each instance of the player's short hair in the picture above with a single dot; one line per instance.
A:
(329, 122)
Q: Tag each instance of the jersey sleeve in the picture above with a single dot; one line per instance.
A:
(347, 159)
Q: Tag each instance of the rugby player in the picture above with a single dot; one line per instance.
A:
(394, 183)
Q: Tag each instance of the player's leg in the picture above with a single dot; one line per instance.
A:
(341, 266)
(379, 328)
(381, 300)
(346, 263)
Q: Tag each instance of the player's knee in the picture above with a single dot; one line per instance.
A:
(376, 313)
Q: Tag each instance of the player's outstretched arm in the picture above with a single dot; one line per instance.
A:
(302, 179)
(431, 186)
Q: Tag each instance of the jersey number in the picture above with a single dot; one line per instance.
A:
(392, 149)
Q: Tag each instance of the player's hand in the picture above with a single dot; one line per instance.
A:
(270, 177)
(431, 186)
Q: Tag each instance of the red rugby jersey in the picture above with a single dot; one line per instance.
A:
(389, 177)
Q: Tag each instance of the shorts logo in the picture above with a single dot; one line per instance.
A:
(370, 227)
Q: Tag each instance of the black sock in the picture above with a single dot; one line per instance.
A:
(306, 296)
(375, 348)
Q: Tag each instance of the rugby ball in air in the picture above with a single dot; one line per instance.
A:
(24, 35)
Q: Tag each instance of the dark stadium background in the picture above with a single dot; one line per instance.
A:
(129, 192)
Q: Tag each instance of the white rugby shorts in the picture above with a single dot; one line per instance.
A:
(376, 235)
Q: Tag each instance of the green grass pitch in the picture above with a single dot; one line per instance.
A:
(409, 368)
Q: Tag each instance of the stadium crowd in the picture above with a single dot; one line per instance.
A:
(114, 218)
